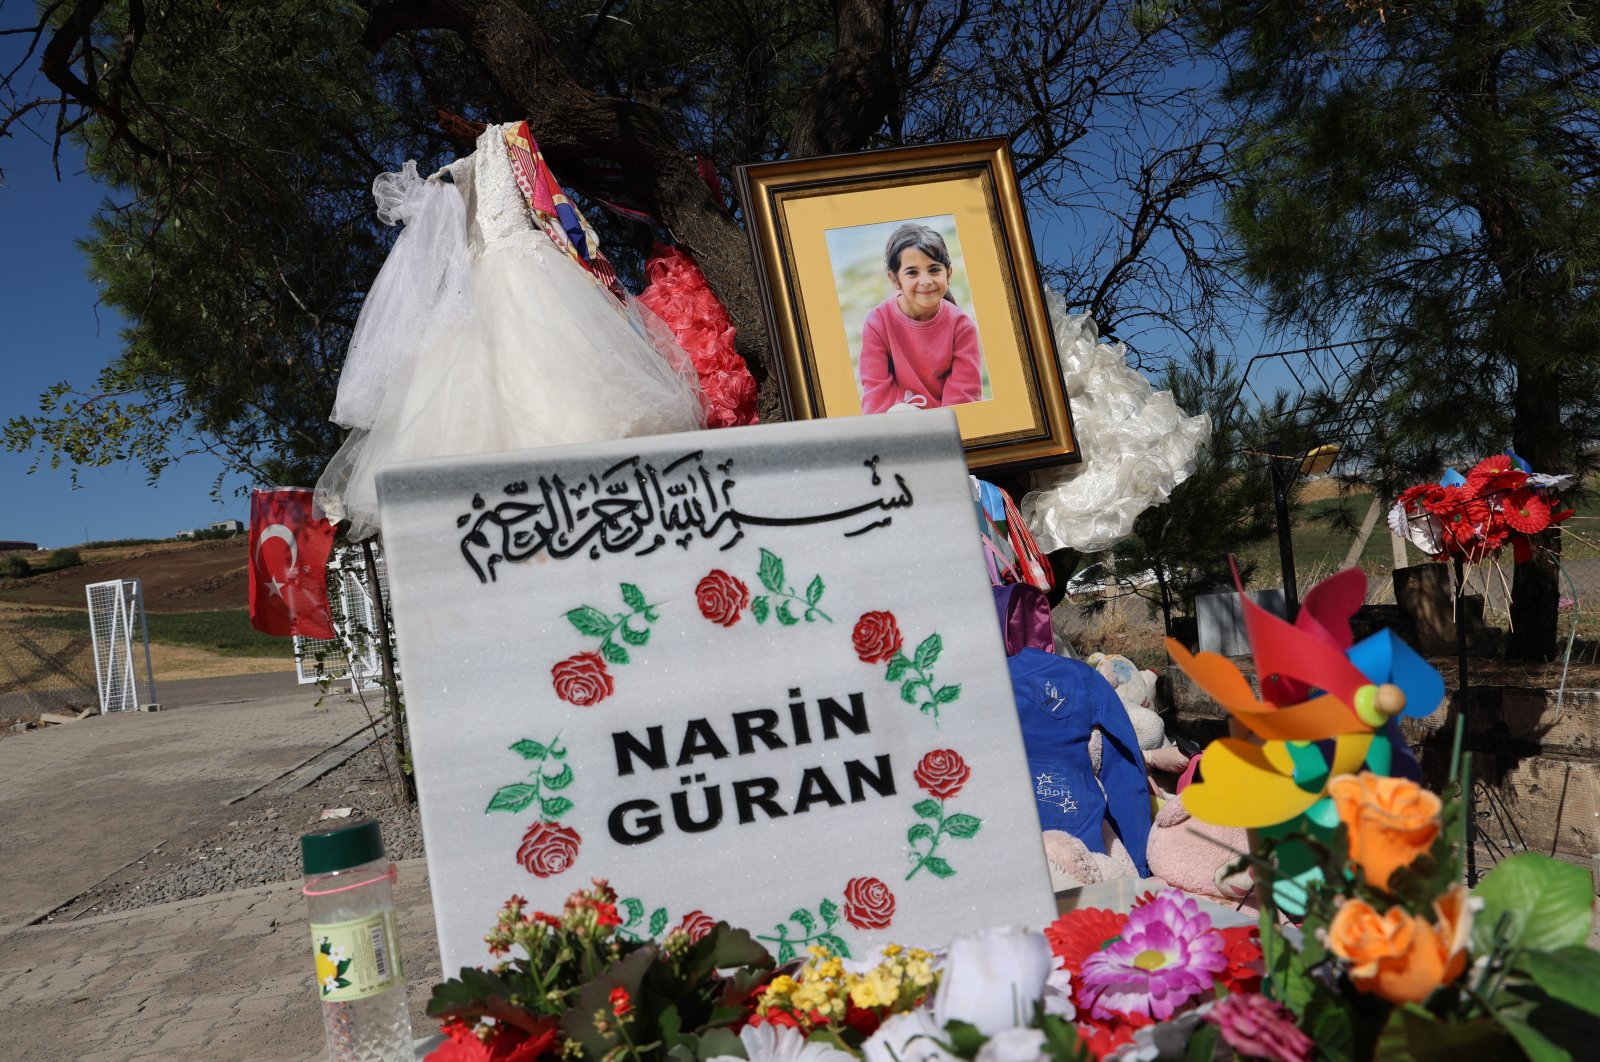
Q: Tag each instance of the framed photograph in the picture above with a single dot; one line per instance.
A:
(905, 279)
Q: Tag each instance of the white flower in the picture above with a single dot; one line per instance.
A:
(913, 1036)
(1058, 994)
(1013, 1045)
(993, 979)
(780, 1043)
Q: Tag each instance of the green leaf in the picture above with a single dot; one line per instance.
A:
(1062, 1043)
(1570, 974)
(771, 571)
(634, 637)
(928, 809)
(803, 918)
(561, 779)
(829, 912)
(1534, 1043)
(1532, 901)
(530, 750)
(963, 825)
(785, 617)
(722, 949)
(946, 694)
(555, 807)
(635, 909)
(898, 666)
(512, 797)
(814, 590)
(758, 608)
(719, 1042)
(632, 595)
(908, 691)
(1203, 1044)
(835, 945)
(658, 921)
(965, 1039)
(590, 621)
(928, 652)
(938, 867)
(785, 952)
(614, 653)
(920, 832)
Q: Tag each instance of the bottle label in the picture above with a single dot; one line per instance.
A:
(356, 959)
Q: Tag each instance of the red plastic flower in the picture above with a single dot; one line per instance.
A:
(868, 904)
(696, 924)
(876, 637)
(621, 1004)
(1078, 934)
(721, 597)
(582, 680)
(1494, 474)
(942, 773)
(1525, 511)
(506, 1043)
(1242, 947)
(548, 849)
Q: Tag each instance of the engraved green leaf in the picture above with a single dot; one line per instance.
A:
(829, 911)
(771, 571)
(946, 694)
(614, 654)
(938, 867)
(835, 945)
(920, 832)
(897, 668)
(555, 807)
(803, 918)
(814, 590)
(785, 617)
(758, 609)
(928, 651)
(633, 637)
(561, 779)
(908, 691)
(529, 750)
(635, 909)
(785, 952)
(927, 809)
(658, 921)
(512, 797)
(963, 825)
(590, 621)
(632, 595)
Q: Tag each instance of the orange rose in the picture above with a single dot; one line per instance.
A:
(1390, 821)
(1401, 956)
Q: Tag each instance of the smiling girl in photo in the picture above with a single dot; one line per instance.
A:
(918, 348)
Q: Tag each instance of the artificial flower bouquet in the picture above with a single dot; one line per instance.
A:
(1500, 502)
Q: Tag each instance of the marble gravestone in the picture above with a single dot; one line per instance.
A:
(752, 673)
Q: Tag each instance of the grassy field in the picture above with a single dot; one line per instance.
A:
(226, 633)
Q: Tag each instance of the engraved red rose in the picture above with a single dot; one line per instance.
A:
(876, 637)
(582, 680)
(942, 773)
(721, 597)
(548, 849)
(868, 904)
(696, 924)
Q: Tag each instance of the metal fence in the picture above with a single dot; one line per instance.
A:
(117, 629)
(354, 654)
(44, 669)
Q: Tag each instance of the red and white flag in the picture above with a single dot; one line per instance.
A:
(289, 550)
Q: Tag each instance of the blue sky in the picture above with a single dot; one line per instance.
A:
(54, 330)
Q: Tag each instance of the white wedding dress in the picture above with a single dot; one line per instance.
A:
(534, 353)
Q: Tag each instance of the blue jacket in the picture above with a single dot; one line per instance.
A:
(1059, 701)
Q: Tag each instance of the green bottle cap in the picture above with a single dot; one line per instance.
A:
(341, 847)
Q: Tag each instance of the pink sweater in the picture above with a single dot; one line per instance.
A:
(927, 363)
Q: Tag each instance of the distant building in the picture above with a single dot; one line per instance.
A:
(235, 526)
(7, 547)
(184, 534)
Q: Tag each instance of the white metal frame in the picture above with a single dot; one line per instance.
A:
(113, 608)
(353, 610)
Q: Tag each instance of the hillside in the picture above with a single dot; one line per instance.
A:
(177, 576)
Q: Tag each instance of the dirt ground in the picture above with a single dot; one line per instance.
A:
(177, 576)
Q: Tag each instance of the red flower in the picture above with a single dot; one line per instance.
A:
(582, 680)
(548, 849)
(942, 773)
(775, 1017)
(865, 1022)
(1525, 511)
(508, 1043)
(1495, 473)
(621, 1005)
(721, 597)
(876, 637)
(1242, 946)
(868, 903)
(605, 914)
(1078, 934)
(696, 924)
(1105, 1037)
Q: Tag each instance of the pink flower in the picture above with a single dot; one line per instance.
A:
(1256, 1027)
(1167, 956)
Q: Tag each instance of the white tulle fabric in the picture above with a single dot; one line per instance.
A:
(422, 290)
(543, 356)
(1136, 443)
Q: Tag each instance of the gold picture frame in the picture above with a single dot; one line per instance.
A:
(824, 231)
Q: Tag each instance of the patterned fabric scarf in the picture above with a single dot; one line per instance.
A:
(560, 219)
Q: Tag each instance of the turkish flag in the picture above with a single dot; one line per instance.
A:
(288, 565)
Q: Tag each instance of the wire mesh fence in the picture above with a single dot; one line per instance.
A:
(44, 669)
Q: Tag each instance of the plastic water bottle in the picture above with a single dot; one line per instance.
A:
(349, 889)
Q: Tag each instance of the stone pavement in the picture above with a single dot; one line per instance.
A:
(217, 978)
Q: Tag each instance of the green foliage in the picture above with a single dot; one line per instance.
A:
(14, 566)
(1535, 903)
(227, 633)
(64, 558)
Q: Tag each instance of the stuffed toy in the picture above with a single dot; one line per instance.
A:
(1136, 690)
